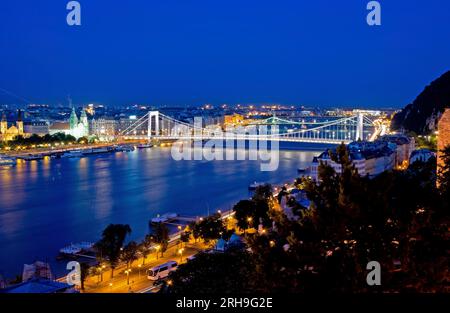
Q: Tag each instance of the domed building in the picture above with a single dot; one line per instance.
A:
(10, 133)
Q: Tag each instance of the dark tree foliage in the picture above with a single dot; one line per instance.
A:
(210, 228)
(399, 218)
(129, 253)
(214, 272)
(36, 139)
(144, 247)
(159, 233)
(257, 209)
(111, 243)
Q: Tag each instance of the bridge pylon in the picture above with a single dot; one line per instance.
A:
(360, 127)
(151, 115)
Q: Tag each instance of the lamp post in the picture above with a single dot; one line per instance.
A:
(249, 220)
(180, 242)
(157, 249)
(140, 265)
(180, 252)
(101, 271)
(128, 275)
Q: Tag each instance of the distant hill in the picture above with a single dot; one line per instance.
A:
(422, 115)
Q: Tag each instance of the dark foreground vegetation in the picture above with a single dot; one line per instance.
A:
(399, 219)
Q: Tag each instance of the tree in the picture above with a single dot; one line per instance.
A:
(84, 273)
(250, 213)
(144, 247)
(160, 234)
(244, 210)
(83, 140)
(184, 237)
(212, 273)
(211, 227)
(111, 243)
(129, 253)
(398, 218)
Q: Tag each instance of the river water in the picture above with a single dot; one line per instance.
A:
(45, 205)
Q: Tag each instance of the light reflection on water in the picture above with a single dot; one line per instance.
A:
(45, 205)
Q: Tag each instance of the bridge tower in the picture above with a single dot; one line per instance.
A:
(360, 126)
(151, 115)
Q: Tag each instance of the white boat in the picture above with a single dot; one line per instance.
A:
(144, 145)
(72, 154)
(164, 218)
(31, 157)
(255, 185)
(124, 148)
(72, 249)
(7, 161)
(96, 151)
(76, 247)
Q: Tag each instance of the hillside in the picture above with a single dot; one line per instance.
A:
(422, 114)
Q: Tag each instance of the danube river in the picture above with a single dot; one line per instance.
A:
(45, 205)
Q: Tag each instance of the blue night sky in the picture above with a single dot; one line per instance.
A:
(178, 52)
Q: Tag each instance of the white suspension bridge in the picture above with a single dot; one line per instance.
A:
(157, 126)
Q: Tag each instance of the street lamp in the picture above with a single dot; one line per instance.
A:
(140, 265)
(157, 249)
(128, 275)
(180, 251)
(249, 220)
(101, 271)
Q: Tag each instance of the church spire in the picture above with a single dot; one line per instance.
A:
(19, 122)
(3, 124)
(73, 121)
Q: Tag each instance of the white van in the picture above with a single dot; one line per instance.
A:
(161, 271)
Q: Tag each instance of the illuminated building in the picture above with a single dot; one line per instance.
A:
(234, 119)
(9, 133)
(76, 127)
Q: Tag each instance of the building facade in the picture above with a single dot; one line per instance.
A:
(103, 128)
(404, 147)
(443, 135)
(77, 127)
(11, 132)
(40, 128)
(368, 158)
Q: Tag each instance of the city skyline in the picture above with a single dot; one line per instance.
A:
(250, 149)
(190, 54)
